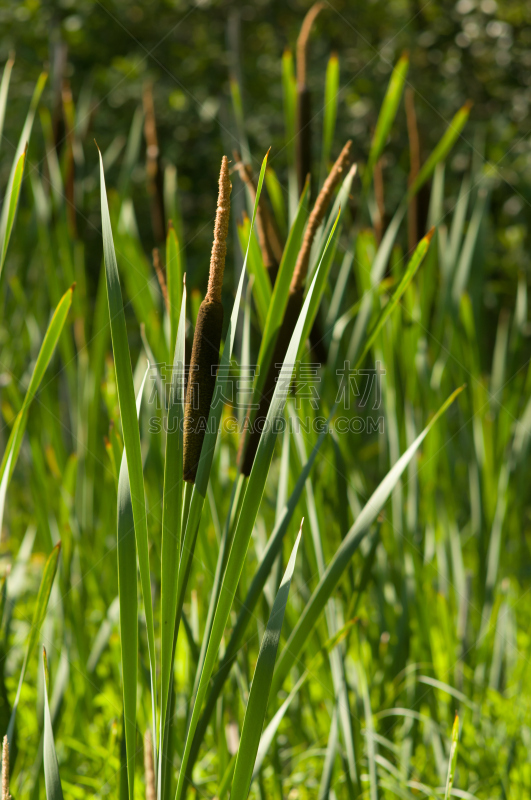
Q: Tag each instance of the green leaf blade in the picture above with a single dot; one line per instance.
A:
(259, 694)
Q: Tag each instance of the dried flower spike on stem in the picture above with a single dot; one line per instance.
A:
(161, 277)
(268, 238)
(317, 215)
(207, 337)
(5, 770)
(221, 229)
(251, 435)
(304, 111)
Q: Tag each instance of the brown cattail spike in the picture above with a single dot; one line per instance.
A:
(251, 433)
(379, 196)
(5, 770)
(207, 338)
(149, 771)
(317, 215)
(414, 166)
(304, 109)
(153, 166)
(161, 277)
(221, 229)
(268, 238)
(302, 41)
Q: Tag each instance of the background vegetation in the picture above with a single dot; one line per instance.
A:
(430, 615)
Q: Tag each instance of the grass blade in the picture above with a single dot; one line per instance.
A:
(453, 759)
(259, 694)
(271, 730)
(256, 269)
(39, 614)
(440, 152)
(11, 202)
(279, 299)
(43, 359)
(171, 524)
(246, 520)
(131, 432)
(127, 593)
(174, 278)
(52, 779)
(271, 552)
(386, 116)
(330, 113)
(306, 623)
(414, 263)
(4, 89)
(12, 191)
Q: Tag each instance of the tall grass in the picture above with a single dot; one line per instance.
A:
(188, 611)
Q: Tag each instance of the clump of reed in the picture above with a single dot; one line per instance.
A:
(253, 424)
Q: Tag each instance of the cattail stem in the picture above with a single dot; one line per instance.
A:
(161, 277)
(304, 111)
(149, 770)
(207, 337)
(69, 181)
(268, 238)
(5, 770)
(414, 167)
(379, 222)
(153, 167)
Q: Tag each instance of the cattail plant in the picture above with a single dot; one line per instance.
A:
(161, 277)
(268, 237)
(188, 588)
(304, 106)
(207, 337)
(153, 167)
(251, 434)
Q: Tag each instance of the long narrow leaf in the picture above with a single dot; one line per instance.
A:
(12, 191)
(4, 89)
(249, 510)
(453, 759)
(43, 359)
(279, 299)
(259, 694)
(52, 780)
(440, 152)
(131, 432)
(414, 263)
(306, 622)
(127, 592)
(11, 201)
(329, 112)
(171, 522)
(271, 553)
(174, 278)
(39, 614)
(386, 116)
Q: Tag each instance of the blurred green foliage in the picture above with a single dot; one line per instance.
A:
(107, 50)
